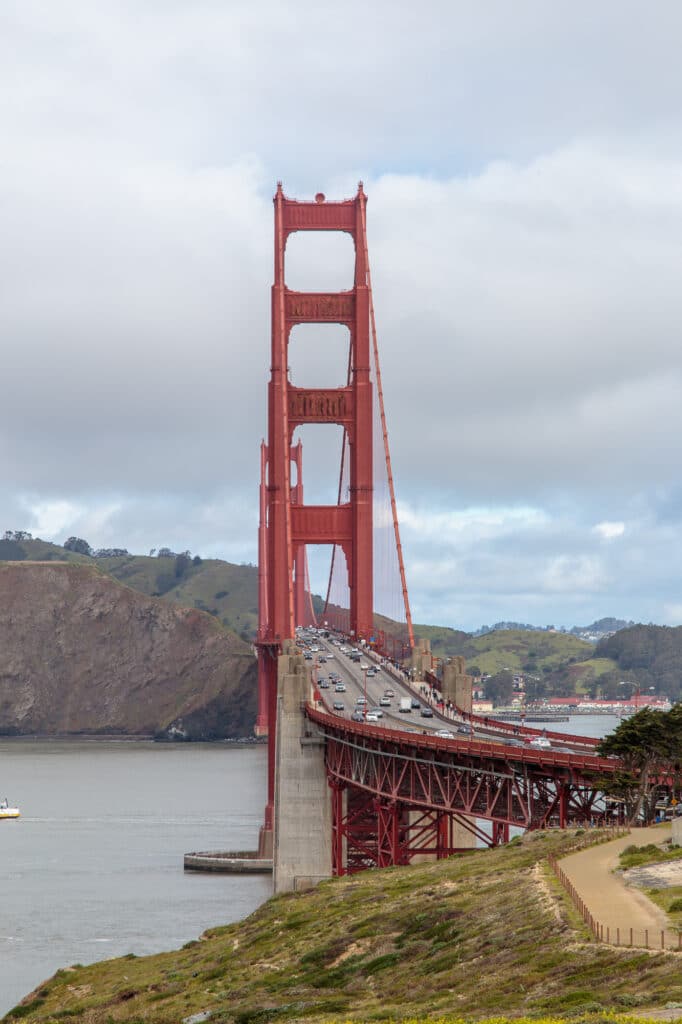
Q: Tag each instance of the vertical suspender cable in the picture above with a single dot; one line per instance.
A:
(384, 430)
(309, 595)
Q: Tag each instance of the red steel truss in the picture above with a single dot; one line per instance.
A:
(396, 795)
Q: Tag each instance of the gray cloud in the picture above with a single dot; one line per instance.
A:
(525, 210)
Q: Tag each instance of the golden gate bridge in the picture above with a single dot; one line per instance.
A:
(345, 795)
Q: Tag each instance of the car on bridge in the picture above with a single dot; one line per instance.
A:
(376, 711)
(389, 693)
(414, 704)
(426, 713)
(444, 734)
(385, 702)
(370, 717)
(540, 742)
(338, 705)
(340, 687)
(323, 683)
(357, 716)
(465, 728)
(361, 700)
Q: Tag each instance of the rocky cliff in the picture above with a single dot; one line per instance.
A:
(81, 653)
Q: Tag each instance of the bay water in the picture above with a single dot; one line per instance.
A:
(94, 867)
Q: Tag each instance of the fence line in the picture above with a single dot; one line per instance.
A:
(646, 938)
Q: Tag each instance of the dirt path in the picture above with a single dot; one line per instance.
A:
(610, 901)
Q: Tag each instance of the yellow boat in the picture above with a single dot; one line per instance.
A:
(8, 812)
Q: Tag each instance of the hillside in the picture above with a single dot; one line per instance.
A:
(513, 649)
(564, 664)
(81, 653)
(651, 656)
(227, 591)
(486, 935)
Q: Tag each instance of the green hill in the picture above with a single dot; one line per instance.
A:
(227, 591)
(514, 649)
(649, 656)
(487, 935)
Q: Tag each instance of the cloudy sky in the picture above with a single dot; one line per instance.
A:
(524, 170)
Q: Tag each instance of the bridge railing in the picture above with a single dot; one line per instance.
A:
(484, 748)
(514, 728)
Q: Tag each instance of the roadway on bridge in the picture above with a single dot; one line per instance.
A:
(359, 684)
(327, 656)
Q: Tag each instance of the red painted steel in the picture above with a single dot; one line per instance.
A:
(287, 525)
(397, 794)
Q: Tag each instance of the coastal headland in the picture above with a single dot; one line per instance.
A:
(490, 934)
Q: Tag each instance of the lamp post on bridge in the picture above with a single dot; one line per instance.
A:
(364, 709)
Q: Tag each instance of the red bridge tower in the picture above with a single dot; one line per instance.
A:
(286, 523)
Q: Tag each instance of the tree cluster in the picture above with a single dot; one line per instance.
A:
(649, 745)
(651, 655)
(17, 535)
(77, 544)
(499, 688)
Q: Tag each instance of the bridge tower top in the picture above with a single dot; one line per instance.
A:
(289, 524)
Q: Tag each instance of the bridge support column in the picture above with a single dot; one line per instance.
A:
(421, 660)
(302, 854)
(457, 684)
(457, 689)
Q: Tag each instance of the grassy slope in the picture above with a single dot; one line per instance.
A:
(237, 584)
(507, 648)
(488, 934)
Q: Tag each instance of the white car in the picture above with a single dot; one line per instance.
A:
(385, 702)
(542, 742)
(444, 734)
(371, 717)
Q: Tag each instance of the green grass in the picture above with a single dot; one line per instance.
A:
(670, 901)
(639, 856)
(466, 939)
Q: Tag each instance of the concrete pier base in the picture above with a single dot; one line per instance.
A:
(229, 862)
(302, 854)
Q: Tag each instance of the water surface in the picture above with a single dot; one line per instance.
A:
(93, 869)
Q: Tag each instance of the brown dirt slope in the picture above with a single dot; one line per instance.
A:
(81, 653)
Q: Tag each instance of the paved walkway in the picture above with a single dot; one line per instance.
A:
(611, 902)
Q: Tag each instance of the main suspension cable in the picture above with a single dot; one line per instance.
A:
(384, 431)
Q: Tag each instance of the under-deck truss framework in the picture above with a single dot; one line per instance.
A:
(395, 795)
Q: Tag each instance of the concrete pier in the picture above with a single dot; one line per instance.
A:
(302, 854)
(229, 862)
